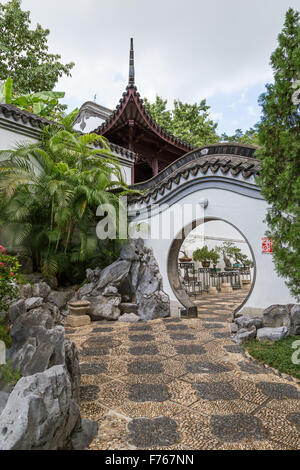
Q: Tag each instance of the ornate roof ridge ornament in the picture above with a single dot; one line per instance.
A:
(131, 80)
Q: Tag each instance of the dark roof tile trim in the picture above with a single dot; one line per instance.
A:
(230, 161)
(11, 111)
(25, 117)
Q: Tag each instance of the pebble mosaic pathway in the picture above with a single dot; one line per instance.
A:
(179, 384)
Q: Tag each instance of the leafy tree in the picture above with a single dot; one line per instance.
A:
(9, 267)
(279, 131)
(228, 251)
(51, 212)
(189, 122)
(159, 112)
(248, 137)
(24, 52)
(44, 103)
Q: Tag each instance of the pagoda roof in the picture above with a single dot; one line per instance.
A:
(131, 109)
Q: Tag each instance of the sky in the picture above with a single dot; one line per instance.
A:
(188, 50)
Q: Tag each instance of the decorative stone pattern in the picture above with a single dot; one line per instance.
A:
(188, 382)
(175, 327)
(103, 330)
(93, 368)
(172, 320)
(101, 340)
(86, 351)
(145, 367)
(144, 350)
(216, 391)
(279, 391)
(191, 349)
(221, 335)
(89, 392)
(138, 338)
(233, 348)
(148, 392)
(206, 367)
(140, 328)
(145, 433)
(234, 428)
(251, 368)
(294, 418)
(209, 326)
(182, 337)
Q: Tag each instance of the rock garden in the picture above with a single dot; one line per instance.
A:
(85, 362)
(43, 364)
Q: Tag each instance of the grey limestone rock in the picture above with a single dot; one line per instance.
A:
(130, 318)
(25, 291)
(60, 298)
(110, 291)
(244, 335)
(82, 438)
(276, 316)
(41, 289)
(247, 322)
(40, 413)
(104, 307)
(270, 335)
(16, 309)
(33, 302)
(295, 319)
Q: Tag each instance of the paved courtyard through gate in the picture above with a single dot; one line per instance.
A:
(182, 384)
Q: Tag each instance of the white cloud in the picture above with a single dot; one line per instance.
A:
(243, 98)
(216, 116)
(188, 50)
(251, 111)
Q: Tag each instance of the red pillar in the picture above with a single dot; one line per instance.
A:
(155, 166)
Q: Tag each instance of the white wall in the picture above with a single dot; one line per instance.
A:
(126, 172)
(9, 139)
(92, 123)
(247, 214)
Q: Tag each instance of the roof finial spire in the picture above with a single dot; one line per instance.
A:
(131, 65)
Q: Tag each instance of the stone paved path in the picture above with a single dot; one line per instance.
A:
(182, 384)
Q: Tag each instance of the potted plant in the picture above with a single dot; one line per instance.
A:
(246, 262)
(185, 258)
(214, 257)
(202, 255)
(227, 250)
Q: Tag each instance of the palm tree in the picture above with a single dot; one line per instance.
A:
(51, 190)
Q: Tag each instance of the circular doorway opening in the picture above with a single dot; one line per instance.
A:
(211, 268)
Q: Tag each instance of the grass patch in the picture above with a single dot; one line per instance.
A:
(9, 374)
(4, 334)
(277, 355)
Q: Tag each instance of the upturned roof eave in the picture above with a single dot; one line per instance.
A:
(131, 91)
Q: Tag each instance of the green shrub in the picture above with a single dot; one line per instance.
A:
(277, 355)
(9, 374)
(204, 254)
(9, 267)
(4, 334)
